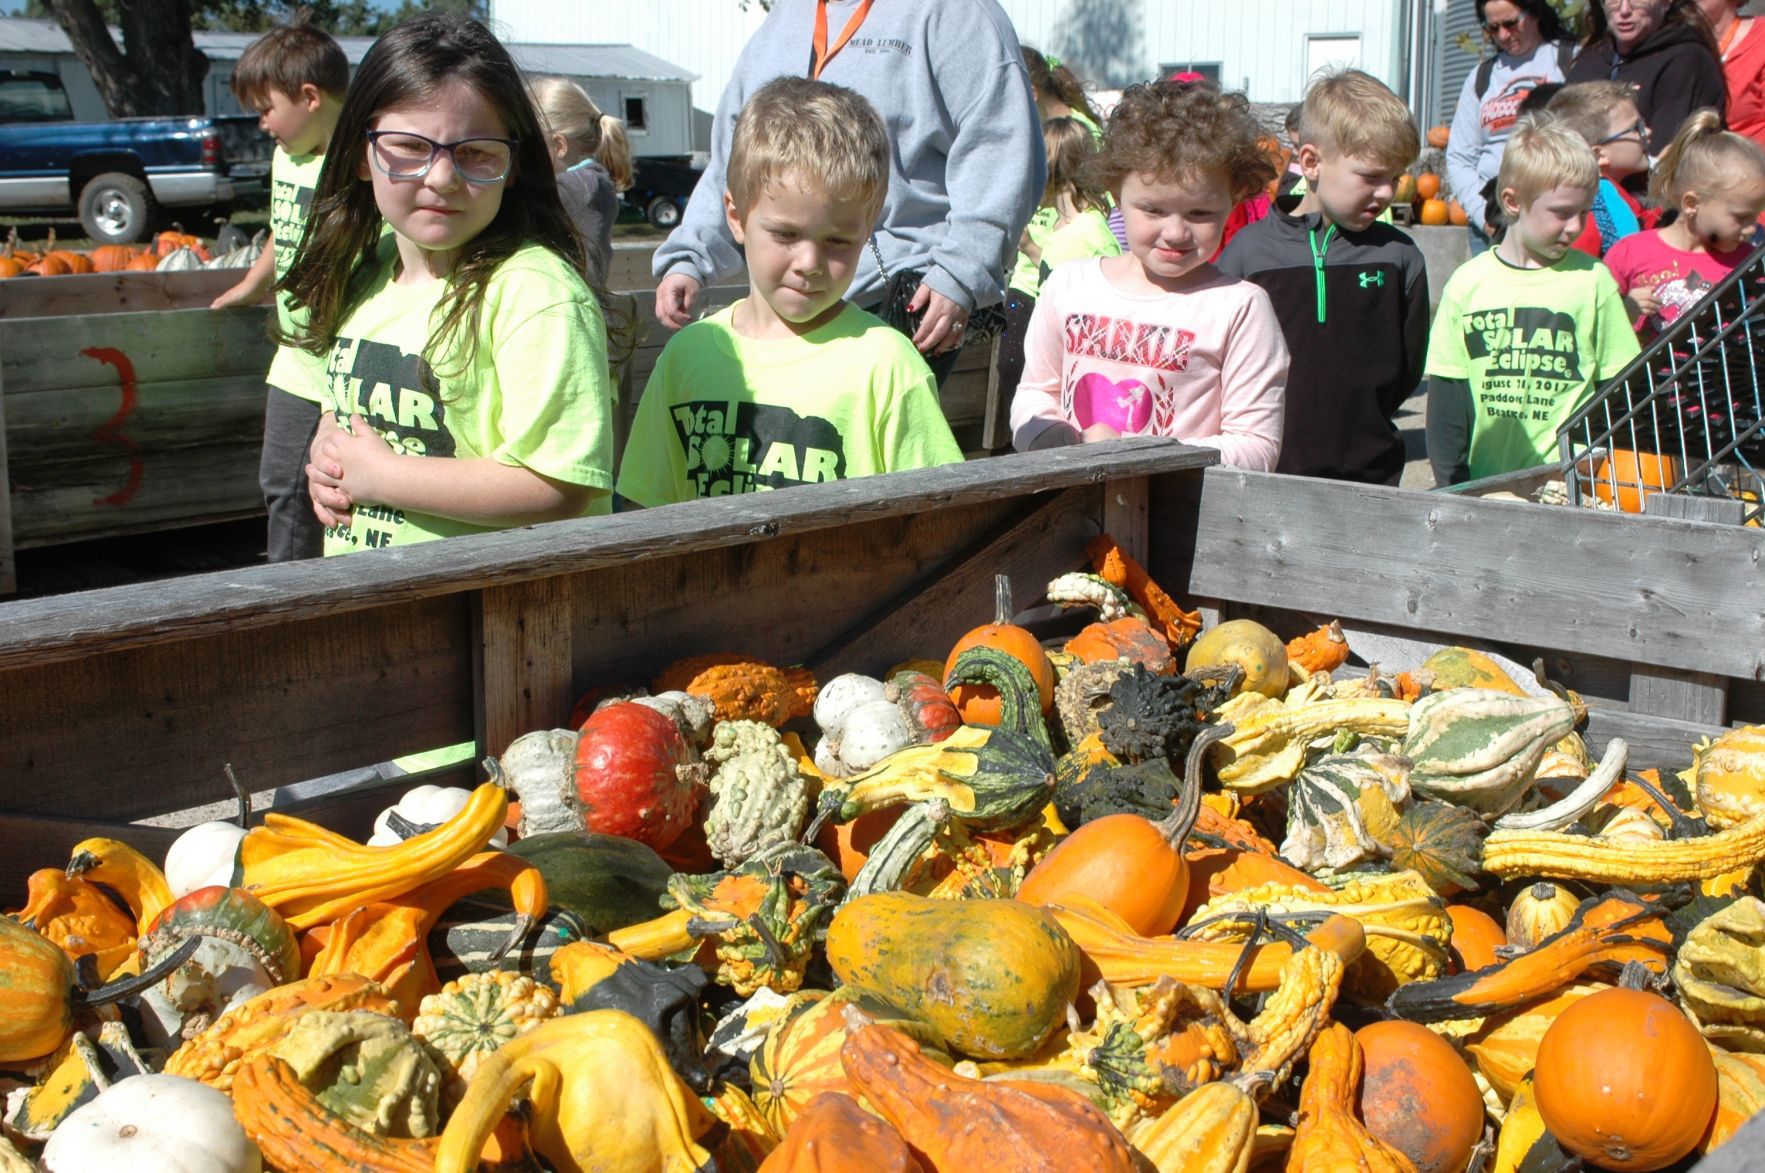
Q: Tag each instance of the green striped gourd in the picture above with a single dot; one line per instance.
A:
(472, 930)
(1479, 748)
(1338, 804)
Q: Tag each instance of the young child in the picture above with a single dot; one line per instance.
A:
(1072, 223)
(294, 77)
(593, 161)
(1157, 341)
(468, 387)
(1351, 293)
(1526, 331)
(1604, 113)
(1715, 180)
(791, 385)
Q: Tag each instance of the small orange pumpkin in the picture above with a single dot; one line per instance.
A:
(1418, 1096)
(75, 262)
(10, 267)
(979, 703)
(1434, 213)
(1129, 638)
(51, 265)
(1635, 475)
(1427, 186)
(1439, 136)
(1625, 1081)
(113, 258)
(146, 262)
(1475, 937)
(1455, 212)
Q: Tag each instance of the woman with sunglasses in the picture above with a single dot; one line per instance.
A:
(1531, 49)
(1664, 49)
(1741, 42)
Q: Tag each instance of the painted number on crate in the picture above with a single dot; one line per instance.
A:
(111, 430)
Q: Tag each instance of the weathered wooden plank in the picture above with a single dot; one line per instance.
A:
(1685, 696)
(1039, 543)
(630, 267)
(135, 732)
(48, 353)
(523, 651)
(28, 843)
(103, 497)
(1126, 516)
(1656, 743)
(114, 293)
(1686, 507)
(1651, 591)
(40, 631)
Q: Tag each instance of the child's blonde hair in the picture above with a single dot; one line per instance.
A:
(1704, 158)
(566, 109)
(1180, 131)
(1544, 153)
(1586, 107)
(1354, 113)
(824, 135)
(1071, 146)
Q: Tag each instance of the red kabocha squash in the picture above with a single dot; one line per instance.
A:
(636, 775)
(1130, 639)
(1625, 1081)
(930, 712)
(979, 703)
(1418, 1096)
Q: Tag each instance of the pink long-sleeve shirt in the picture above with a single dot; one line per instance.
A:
(1207, 366)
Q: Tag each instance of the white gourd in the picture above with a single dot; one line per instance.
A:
(839, 696)
(203, 856)
(180, 260)
(870, 733)
(165, 1123)
(425, 806)
(827, 761)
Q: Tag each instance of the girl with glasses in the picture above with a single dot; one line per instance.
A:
(466, 358)
(1531, 49)
(1661, 47)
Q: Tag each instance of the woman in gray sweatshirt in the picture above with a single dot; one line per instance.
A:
(966, 169)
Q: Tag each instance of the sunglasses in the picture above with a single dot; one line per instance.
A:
(1640, 131)
(1504, 26)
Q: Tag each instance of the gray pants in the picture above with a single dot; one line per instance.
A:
(290, 423)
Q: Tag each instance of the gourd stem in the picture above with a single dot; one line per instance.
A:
(129, 986)
(1002, 609)
(1683, 825)
(1176, 827)
(242, 794)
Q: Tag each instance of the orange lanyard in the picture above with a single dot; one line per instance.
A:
(1734, 30)
(823, 54)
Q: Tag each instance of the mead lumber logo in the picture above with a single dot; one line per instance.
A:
(737, 447)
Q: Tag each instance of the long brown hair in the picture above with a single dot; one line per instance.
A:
(336, 261)
(1050, 76)
(1684, 12)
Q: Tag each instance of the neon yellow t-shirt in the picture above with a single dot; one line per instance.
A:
(293, 178)
(538, 392)
(1533, 344)
(724, 414)
(1086, 235)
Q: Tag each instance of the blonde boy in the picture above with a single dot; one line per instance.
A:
(294, 77)
(790, 385)
(1528, 330)
(1351, 293)
(1605, 115)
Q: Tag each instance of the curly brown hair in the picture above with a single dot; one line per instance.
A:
(1181, 130)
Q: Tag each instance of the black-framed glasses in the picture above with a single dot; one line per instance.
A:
(1640, 131)
(404, 154)
(1503, 26)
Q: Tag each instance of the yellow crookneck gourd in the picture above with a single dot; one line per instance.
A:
(603, 1098)
(1269, 738)
(125, 871)
(312, 876)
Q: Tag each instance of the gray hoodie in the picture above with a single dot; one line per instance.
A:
(967, 167)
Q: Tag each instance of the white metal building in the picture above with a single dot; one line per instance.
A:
(1268, 48)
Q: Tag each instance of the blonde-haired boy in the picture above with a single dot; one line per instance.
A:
(1527, 330)
(790, 385)
(1351, 293)
(1606, 116)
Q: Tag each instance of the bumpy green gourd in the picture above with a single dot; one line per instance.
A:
(758, 796)
(1479, 748)
(367, 1068)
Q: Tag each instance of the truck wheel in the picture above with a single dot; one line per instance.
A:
(117, 209)
(663, 212)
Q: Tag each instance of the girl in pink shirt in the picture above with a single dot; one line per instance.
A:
(1715, 181)
(1157, 342)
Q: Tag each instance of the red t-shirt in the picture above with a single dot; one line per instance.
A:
(1744, 71)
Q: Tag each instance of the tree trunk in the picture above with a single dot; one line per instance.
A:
(158, 69)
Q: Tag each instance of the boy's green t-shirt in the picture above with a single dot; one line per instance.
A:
(725, 414)
(1086, 235)
(1533, 344)
(293, 179)
(538, 393)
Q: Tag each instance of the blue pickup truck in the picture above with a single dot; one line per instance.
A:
(118, 175)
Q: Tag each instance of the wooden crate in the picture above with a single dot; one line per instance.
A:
(126, 703)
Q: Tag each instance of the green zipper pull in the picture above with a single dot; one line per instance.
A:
(1317, 264)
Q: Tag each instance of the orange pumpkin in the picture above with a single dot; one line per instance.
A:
(113, 258)
(1475, 936)
(1625, 1081)
(1427, 186)
(849, 844)
(1634, 475)
(1455, 212)
(979, 703)
(10, 267)
(1418, 1096)
(1434, 213)
(1128, 638)
(1129, 864)
(1439, 136)
(75, 262)
(51, 265)
(147, 262)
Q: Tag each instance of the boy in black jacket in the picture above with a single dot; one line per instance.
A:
(1351, 293)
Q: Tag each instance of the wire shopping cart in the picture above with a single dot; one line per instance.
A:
(1688, 416)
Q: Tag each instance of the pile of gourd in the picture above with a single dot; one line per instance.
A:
(172, 251)
(1024, 907)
